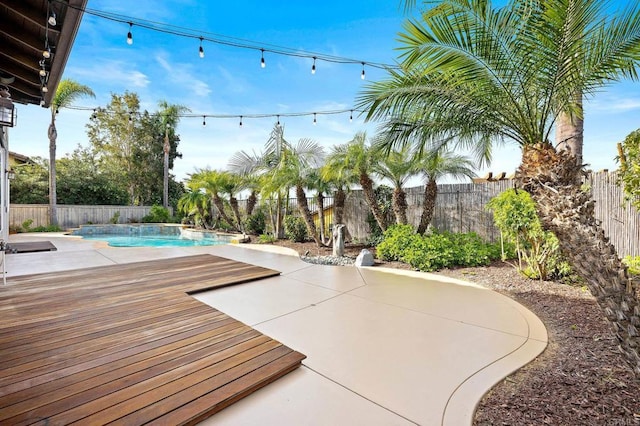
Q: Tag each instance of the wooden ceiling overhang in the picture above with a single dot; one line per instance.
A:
(25, 34)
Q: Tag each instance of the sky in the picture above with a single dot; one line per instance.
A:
(230, 81)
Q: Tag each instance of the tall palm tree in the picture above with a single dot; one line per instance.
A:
(473, 74)
(340, 178)
(194, 203)
(247, 166)
(316, 182)
(398, 167)
(359, 157)
(67, 93)
(435, 166)
(213, 182)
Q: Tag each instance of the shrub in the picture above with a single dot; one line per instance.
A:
(26, 225)
(435, 251)
(295, 229)
(157, 214)
(537, 250)
(47, 228)
(114, 219)
(256, 223)
(633, 263)
(394, 242)
(266, 239)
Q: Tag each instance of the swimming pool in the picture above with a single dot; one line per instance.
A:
(153, 241)
(146, 235)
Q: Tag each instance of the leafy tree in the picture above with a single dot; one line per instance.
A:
(435, 166)
(82, 182)
(129, 146)
(358, 157)
(30, 185)
(67, 93)
(473, 74)
(195, 204)
(629, 158)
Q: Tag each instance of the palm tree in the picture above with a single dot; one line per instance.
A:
(67, 93)
(340, 178)
(194, 203)
(435, 166)
(359, 158)
(213, 182)
(473, 74)
(322, 186)
(247, 166)
(398, 167)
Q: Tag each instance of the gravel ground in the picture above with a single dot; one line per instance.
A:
(580, 379)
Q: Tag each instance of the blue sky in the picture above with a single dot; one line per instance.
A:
(230, 80)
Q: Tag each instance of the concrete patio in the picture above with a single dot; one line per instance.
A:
(383, 347)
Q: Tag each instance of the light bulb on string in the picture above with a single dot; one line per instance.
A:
(94, 115)
(278, 118)
(52, 19)
(313, 67)
(129, 35)
(240, 121)
(201, 49)
(351, 117)
(262, 63)
(130, 117)
(204, 120)
(314, 119)
(362, 75)
(46, 53)
(45, 89)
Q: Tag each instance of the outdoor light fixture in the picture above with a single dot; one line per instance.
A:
(45, 89)
(240, 121)
(313, 67)
(7, 109)
(351, 117)
(52, 19)
(129, 35)
(10, 174)
(204, 120)
(201, 50)
(314, 119)
(43, 72)
(46, 53)
(262, 63)
(362, 76)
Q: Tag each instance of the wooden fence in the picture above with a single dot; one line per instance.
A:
(459, 208)
(74, 216)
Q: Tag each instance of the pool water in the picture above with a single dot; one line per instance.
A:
(153, 240)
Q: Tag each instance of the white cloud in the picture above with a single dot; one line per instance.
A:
(182, 75)
(614, 105)
(112, 74)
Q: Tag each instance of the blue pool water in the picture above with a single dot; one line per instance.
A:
(153, 240)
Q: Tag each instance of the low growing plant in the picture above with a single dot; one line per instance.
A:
(256, 223)
(633, 263)
(115, 218)
(295, 229)
(266, 239)
(157, 214)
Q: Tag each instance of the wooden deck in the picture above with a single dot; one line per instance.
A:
(127, 344)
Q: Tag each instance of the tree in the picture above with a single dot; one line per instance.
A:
(213, 183)
(398, 167)
(340, 178)
(435, 166)
(473, 74)
(130, 146)
(358, 157)
(67, 93)
(30, 185)
(196, 204)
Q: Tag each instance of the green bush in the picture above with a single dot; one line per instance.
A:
(157, 214)
(295, 229)
(633, 263)
(256, 223)
(267, 239)
(26, 225)
(394, 242)
(537, 250)
(47, 228)
(435, 251)
(114, 219)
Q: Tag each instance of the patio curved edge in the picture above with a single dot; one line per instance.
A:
(459, 409)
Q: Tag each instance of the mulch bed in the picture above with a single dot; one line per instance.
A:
(580, 379)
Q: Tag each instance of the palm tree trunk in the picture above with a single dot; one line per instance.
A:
(553, 178)
(428, 205)
(570, 131)
(279, 218)
(320, 199)
(339, 201)
(217, 201)
(233, 202)
(303, 207)
(53, 196)
(400, 206)
(370, 196)
(251, 202)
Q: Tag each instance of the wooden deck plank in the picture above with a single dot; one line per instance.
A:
(126, 343)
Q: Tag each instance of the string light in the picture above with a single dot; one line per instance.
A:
(94, 115)
(204, 120)
(46, 53)
(45, 89)
(52, 19)
(201, 50)
(313, 67)
(278, 122)
(129, 35)
(240, 121)
(130, 117)
(314, 119)
(262, 63)
(362, 76)
(351, 117)
(43, 69)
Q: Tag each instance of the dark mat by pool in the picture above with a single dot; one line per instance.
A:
(30, 247)
(127, 344)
